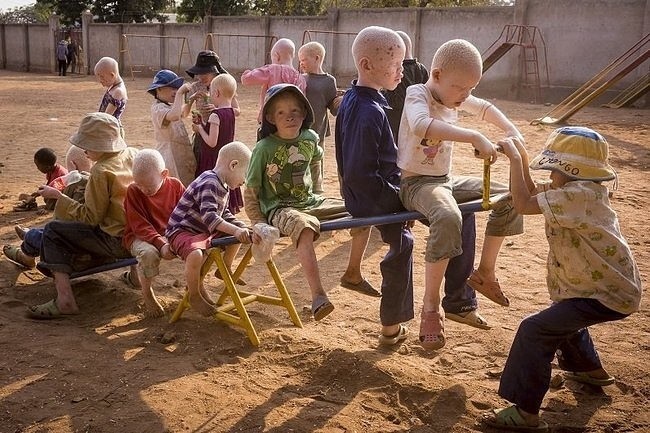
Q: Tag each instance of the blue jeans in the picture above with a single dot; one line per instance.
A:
(31, 245)
(459, 297)
(560, 329)
(70, 246)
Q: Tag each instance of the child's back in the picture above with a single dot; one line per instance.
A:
(280, 71)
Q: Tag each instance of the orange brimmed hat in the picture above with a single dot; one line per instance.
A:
(578, 152)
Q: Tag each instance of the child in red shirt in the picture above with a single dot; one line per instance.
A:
(149, 201)
(45, 161)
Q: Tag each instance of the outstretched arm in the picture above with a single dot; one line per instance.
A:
(524, 199)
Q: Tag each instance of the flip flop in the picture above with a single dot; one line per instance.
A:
(46, 311)
(509, 418)
(321, 307)
(11, 252)
(125, 277)
(471, 318)
(489, 289)
(583, 377)
(391, 340)
(432, 330)
(26, 205)
(362, 287)
(20, 231)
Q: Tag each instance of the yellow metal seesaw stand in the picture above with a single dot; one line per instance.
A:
(234, 312)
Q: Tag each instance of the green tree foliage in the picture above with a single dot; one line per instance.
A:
(194, 10)
(25, 15)
(128, 11)
(291, 7)
(68, 10)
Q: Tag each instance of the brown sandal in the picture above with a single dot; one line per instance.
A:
(432, 330)
(489, 289)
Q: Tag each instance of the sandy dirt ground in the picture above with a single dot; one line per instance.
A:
(111, 369)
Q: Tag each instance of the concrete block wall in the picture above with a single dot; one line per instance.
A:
(582, 37)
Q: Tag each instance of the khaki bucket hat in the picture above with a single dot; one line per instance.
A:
(99, 132)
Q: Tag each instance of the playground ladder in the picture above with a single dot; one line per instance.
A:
(527, 38)
(598, 84)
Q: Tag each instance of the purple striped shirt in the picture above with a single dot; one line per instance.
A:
(203, 206)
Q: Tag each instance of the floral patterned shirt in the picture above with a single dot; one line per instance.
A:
(588, 256)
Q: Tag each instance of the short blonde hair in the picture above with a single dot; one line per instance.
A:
(284, 48)
(373, 41)
(457, 54)
(232, 151)
(225, 84)
(148, 162)
(108, 64)
(314, 48)
(408, 45)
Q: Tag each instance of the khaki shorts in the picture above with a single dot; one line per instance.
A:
(291, 221)
(148, 257)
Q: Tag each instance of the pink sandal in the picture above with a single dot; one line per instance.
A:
(432, 330)
(489, 289)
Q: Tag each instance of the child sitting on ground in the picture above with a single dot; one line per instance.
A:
(219, 130)
(46, 162)
(114, 100)
(365, 157)
(202, 214)
(424, 155)
(280, 70)
(172, 140)
(321, 93)
(90, 233)
(149, 202)
(592, 276)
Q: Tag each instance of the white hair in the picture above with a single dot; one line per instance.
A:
(147, 162)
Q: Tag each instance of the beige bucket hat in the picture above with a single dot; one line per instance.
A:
(99, 132)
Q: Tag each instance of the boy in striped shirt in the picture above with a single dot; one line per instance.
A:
(202, 214)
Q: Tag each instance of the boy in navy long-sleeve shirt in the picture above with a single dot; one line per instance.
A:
(366, 156)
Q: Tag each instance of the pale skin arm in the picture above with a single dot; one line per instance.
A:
(211, 138)
(252, 206)
(524, 201)
(440, 130)
(235, 106)
(178, 108)
(243, 234)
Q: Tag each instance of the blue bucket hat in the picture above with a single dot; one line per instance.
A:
(165, 78)
(272, 93)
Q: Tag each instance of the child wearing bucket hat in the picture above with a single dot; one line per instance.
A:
(89, 233)
(172, 139)
(206, 68)
(591, 274)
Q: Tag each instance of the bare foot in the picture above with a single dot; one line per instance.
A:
(153, 307)
(201, 305)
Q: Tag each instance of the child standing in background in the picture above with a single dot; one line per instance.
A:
(219, 130)
(114, 100)
(321, 93)
(591, 274)
(172, 140)
(414, 73)
(280, 71)
(206, 67)
(202, 214)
